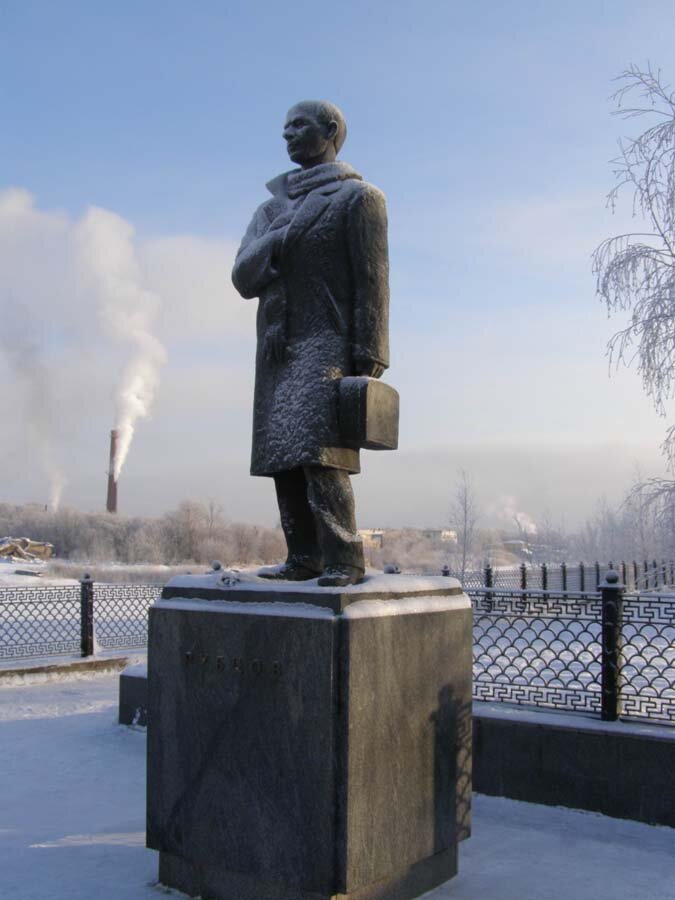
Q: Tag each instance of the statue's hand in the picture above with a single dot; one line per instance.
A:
(368, 367)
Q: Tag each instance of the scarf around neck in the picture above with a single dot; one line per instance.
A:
(301, 181)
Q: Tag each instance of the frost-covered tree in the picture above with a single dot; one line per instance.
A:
(636, 271)
(464, 519)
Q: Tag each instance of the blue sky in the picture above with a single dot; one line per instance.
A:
(488, 127)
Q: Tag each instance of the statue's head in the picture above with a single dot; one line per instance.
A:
(314, 132)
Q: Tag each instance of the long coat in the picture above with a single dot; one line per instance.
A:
(316, 256)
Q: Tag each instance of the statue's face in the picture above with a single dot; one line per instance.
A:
(306, 138)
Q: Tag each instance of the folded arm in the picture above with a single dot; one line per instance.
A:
(258, 261)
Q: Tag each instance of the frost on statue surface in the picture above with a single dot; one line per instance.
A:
(315, 255)
(249, 579)
(335, 300)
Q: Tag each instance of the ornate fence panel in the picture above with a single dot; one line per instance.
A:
(648, 657)
(121, 614)
(39, 621)
(45, 621)
(536, 648)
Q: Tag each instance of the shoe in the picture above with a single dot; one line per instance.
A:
(290, 571)
(340, 576)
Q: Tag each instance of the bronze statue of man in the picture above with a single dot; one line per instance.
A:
(315, 254)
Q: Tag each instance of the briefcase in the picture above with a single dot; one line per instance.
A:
(368, 413)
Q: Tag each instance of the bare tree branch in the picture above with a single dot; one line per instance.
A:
(464, 518)
(635, 272)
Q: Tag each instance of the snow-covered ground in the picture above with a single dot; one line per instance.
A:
(61, 571)
(9, 577)
(72, 815)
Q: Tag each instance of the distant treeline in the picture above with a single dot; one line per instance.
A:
(192, 533)
(195, 532)
(641, 525)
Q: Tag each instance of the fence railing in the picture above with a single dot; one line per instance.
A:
(643, 576)
(605, 651)
(69, 619)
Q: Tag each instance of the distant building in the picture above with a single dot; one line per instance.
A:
(372, 537)
(520, 548)
(440, 534)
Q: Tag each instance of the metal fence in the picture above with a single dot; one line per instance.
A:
(41, 621)
(647, 667)
(643, 576)
(69, 619)
(121, 614)
(603, 652)
(539, 649)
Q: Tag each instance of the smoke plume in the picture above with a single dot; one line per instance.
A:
(128, 311)
(30, 370)
(57, 482)
(510, 512)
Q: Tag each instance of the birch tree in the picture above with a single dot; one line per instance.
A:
(464, 519)
(635, 271)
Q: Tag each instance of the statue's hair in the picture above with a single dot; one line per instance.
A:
(326, 113)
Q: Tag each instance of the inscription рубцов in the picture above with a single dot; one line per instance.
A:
(235, 664)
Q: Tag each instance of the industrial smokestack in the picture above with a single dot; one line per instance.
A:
(111, 503)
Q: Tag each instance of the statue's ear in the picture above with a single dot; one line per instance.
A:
(332, 130)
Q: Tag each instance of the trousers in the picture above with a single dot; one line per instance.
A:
(316, 505)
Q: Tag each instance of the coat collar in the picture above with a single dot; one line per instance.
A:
(301, 181)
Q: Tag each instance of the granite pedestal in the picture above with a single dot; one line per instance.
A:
(302, 752)
(133, 696)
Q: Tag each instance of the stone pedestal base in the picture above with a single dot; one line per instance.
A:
(210, 882)
(300, 753)
(133, 696)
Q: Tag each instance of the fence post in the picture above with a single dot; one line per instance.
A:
(636, 576)
(672, 573)
(523, 577)
(597, 576)
(87, 616)
(544, 577)
(624, 574)
(582, 577)
(563, 575)
(646, 568)
(612, 618)
(489, 582)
